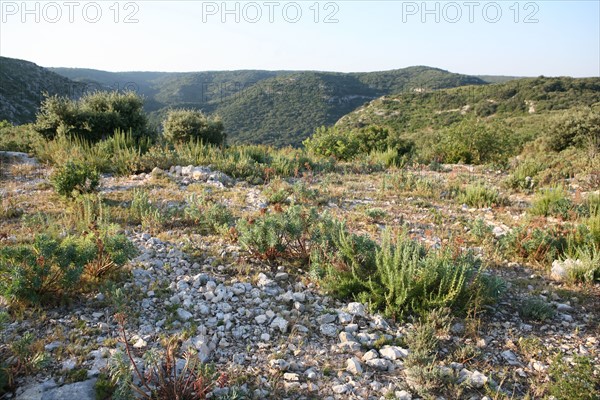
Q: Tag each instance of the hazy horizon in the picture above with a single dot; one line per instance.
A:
(550, 38)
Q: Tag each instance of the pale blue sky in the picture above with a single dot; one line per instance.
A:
(368, 35)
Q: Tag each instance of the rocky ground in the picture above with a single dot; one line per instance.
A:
(270, 328)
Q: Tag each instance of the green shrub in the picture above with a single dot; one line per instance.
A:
(410, 279)
(551, 202)
(593, 225)
(578, 128)
(574, 379)
(48, 269)
(479, 196)
(587, 267)
(302, 194)
(208, 216)
(473, 141)
(403, 277)
(375, 214)
(536, 309)
(280, 234)
(87, 210)
(590, 211)
(277, 192)
(93, 117)
(187, 125)
(346, 145)
(344, 262)
(523, 176)
(143, 211)
(422, 373)
(28, 357)
(18, 138)
(480, 230)
(74, 178)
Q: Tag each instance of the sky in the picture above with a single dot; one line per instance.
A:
(515, 38)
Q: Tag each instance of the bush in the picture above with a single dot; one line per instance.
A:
(74, 178)
(208, 216)
(187, 125)
(18, 138)
(587, 267)
(523, 175)
(93, 117)
(50, 268)
(279, 235)
(536, 309)
(551, 202)
(479, 196)
(346, 145)
(410, 279)
(142, 211)
(278, 192)
(579, 129)
(472, 141)
(399, 277)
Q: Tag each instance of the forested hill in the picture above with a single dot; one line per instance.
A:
(272, 107)
(411, 112)
(22, 84)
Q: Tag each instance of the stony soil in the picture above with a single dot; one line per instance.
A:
(270, 327)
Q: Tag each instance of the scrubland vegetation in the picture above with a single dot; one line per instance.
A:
(449, 218)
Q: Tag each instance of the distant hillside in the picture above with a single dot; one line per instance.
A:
(498, 78)
(287, 109)
(412, 112)
(274, 107)
(21, 86)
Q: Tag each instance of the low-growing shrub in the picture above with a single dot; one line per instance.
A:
(480, 230)
(399, 277)
(536, 309)
(74, 178)
(523, 176)
(25, 355)
(280, 234)
(375, 214)
(277, 192)
(344, 262)
(479, 196)
(408, 278)
(49, 269)
(18, 138)
(587, 267)
(422, 373)
(386, 147)
(143, 211)
(418, 185)
(551, 202)
(207, 216)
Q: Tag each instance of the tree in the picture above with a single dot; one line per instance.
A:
(183, 125)
(93, 117)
